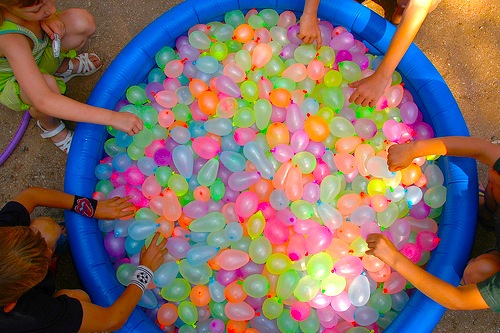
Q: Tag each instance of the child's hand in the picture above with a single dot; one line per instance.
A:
(127, 122)
(53, 25)
(114, 208)
(400, 156)
(381, 247)
(368, 90)
(153, 256)
(309, 30)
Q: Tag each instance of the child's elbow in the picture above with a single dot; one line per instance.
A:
(458, 305)
(461, 299)
(112, 320)
(115, 322)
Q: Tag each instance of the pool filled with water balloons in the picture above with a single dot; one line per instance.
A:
(266, 181)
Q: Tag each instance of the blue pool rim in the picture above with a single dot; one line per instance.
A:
(432, 95)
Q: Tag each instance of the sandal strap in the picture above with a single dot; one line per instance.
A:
(85, 67)
(65, 144)
(85, 64)
(68, 71)
(49, 134)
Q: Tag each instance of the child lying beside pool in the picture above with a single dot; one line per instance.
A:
(28, 300)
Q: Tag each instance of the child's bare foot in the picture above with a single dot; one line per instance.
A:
(82, 65)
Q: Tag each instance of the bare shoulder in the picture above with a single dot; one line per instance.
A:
(13, 44)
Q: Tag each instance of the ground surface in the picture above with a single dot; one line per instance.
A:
(461, 38)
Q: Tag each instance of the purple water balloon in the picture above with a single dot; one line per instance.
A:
(162, 157)
(115, 246)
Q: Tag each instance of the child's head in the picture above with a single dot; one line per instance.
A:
(24, 261)
(39, 11)
(482, 267)
(18, 3)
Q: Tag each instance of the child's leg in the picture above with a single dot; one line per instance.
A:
(47, 122)
(49, 229)
(80, 26)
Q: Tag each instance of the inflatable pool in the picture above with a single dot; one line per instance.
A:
(434, 99)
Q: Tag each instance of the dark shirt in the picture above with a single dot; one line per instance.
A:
(37, 310)
(490, 290)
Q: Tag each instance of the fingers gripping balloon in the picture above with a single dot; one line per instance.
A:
(266, 181)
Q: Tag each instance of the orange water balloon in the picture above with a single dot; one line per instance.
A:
(277, 133)
(263, 188)
(243, 33)
(201, 193)
(197, 86)
(234, 292)
(200, 296)
(316, 128)
(347, 144)
(410, 174)
(236, 326)
(379, 203)
(348, 203)
(280, 97)
(261, 55)
(207, 101)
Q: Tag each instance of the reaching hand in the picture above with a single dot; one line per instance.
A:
(399, 156)
(127, 122)
(368, 90)
(114, 208)
(153, 256)
(381, 247)
(309, 30)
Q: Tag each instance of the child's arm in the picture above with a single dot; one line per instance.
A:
(400, 156)
(371, 88)
(309, 29)
(16, 49)
(457, 298)
(108, 209)
(97, 318)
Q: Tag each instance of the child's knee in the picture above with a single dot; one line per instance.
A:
(52, 83)
(81, 21)
(49, 229)
(482, 267)
(85, 22)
